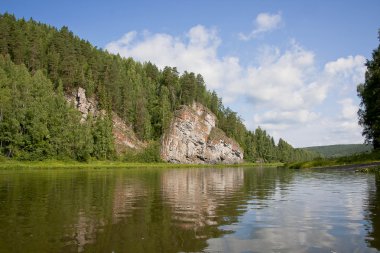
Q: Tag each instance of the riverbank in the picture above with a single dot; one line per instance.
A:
(52, 164)
(354, 161)
(363, 167)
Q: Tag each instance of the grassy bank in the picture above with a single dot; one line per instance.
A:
(51, 164)
(346, 160)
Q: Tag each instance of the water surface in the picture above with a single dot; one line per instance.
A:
(189, 210)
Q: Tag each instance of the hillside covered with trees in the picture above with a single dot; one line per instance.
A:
(331, 151)
(39, 64)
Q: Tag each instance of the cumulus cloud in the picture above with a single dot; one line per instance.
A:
(300, 122)
(284, 76)
(346, 73)
(349, 109)
(196, 51)
(281, 92)
(265, 22)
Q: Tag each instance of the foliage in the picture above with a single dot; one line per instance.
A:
(369, 92)
(323, 162)
(37, 124)
(150, 154)
(341, 150)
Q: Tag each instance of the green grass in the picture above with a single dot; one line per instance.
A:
(48, 164)
(331, 162)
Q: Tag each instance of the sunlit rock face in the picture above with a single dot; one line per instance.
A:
(193, 138)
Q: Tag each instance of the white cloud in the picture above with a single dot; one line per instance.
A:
(349, 109)
(282, 92)
(286, 117)
(346, 66)
(346, 73)
(196, 51)
(283, 81)
(265, 22)
(338, 78)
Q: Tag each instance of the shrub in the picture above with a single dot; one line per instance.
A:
(150, 154)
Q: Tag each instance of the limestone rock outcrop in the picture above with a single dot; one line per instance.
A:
(124, 136)
(83, 104)
(193, 138)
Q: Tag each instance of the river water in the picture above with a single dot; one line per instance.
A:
(189, 210)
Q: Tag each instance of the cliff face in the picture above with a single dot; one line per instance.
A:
(124, 135)
(193, 138)
(83, 104)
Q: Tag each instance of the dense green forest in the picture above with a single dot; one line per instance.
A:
(40, 63)
(332, 151)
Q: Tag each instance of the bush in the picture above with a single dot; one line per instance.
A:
(2, 158)
(150, 154)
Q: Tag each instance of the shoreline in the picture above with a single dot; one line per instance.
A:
(351, 166)
(348, 166)
(55, 164)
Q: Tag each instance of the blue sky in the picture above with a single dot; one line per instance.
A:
(289, 66)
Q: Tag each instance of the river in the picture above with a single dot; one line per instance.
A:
(189, 210)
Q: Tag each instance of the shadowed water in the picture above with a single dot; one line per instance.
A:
(189, 210)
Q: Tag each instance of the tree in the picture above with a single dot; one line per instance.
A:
(369, 92)
(188, 88)
(165, 114)
(36, 122)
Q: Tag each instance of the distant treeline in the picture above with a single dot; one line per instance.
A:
(56, 61)
(332, 151)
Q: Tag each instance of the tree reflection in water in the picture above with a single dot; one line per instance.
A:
(188, 210)
(373, 215)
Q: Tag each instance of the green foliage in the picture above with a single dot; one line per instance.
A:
(150, 154)
(103, 139)
(341, 150)
(323, 162)
(36, 122)
(369, 92)
(33, 116)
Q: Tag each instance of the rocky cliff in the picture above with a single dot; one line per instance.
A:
(83, 104)
(193, 138)
(123, 134)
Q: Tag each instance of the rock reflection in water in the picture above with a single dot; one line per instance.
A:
(126, 194)
(189, 210)
(84, 232)
(194, 195)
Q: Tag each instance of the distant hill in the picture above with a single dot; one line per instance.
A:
(341, 150)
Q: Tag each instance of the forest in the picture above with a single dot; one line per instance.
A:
(39, 64)
(332, 151)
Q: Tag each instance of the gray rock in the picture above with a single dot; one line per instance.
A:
(193, 138)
